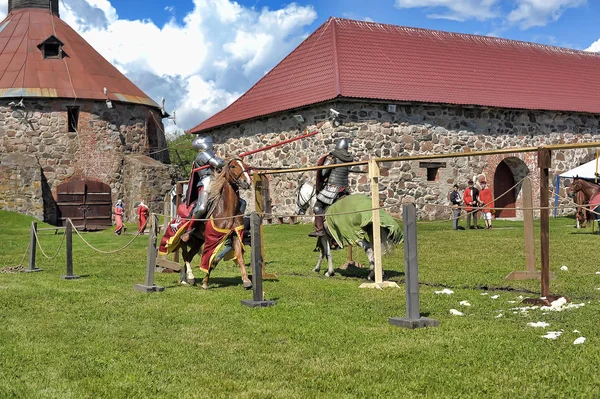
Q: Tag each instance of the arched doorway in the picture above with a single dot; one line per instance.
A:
(86, 202)
(503, 181)
(510, 171)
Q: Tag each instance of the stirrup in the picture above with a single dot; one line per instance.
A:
(317, 233)
(187, 235)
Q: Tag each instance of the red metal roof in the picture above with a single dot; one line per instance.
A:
(83, 73)
(355, 59)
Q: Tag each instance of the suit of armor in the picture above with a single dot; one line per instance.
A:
(332, 184)
(205, 156)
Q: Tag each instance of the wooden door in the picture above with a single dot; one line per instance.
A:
(86, 202)
(503, 181)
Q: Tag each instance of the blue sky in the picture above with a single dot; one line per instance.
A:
(575, 27)
(201, 55)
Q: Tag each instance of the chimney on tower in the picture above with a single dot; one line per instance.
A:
(51, 5)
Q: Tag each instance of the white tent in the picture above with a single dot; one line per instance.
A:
(585, 171)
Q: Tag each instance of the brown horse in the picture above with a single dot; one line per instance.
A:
(586, 192)
(582, 213)
(221, 232)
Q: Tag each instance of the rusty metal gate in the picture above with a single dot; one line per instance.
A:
(86, 202)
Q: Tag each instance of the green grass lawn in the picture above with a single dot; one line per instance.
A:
(98, 338)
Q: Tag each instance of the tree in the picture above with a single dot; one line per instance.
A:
(182, 154)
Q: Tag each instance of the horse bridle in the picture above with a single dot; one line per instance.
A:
(230, 175)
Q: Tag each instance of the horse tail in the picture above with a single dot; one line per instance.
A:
(389, 240)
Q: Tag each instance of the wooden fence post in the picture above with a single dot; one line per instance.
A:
(411, 270)
(258, 299)
(374, 177)
(69, 246)
(544, 161)
(530, 272)
(377, 253)
(149, 286)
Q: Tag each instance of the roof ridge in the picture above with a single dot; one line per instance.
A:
(336, 64)
(486, 38)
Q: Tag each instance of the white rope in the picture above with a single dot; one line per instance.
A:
(99, 250)
(37, 239)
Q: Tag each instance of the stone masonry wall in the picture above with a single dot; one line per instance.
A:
(21, 184)
(96, 151)
(413, 129)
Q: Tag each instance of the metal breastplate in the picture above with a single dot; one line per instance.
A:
(203, 159)
(339, 176)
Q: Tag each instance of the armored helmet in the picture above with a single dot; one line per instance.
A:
(342, 144)
(203, 143)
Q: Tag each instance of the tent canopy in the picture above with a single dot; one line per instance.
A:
(585, 171)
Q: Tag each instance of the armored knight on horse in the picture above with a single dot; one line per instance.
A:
(201, 179)
(332, 184)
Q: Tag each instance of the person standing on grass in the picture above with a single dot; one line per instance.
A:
(143, 213)
(456, 201)
(119, 212)
(471, 198)
(486, 200)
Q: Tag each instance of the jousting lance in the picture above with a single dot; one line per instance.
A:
(245, 154)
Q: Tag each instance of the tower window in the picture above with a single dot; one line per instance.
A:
(73, 118)
(51, 48)
(432, 174)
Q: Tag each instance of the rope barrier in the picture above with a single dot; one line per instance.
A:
(37, 239)
(99, 250)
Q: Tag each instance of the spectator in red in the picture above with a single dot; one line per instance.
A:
(119, 212)
(471, 199)
(486, 201)
(143, 213)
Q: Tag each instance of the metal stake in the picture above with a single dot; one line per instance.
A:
(32, 249)
(69, 245)
(411, 269)
(257, 289)
(151, 261)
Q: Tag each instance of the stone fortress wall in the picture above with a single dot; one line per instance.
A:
(413, 129)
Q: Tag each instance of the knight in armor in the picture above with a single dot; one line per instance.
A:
(332, 183)
(206, 156)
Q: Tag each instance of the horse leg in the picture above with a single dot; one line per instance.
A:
(327, 250)
(205, 280)
(368, 248)
(239, 258)
(317, 268)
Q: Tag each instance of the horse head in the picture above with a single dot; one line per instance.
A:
(576, 185)
(305, 197)
(236, 172)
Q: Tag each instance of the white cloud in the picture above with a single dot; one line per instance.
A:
(457, 10)
(531, 13)
(200, 65)
(595, 47)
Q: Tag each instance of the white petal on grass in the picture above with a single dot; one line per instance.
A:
(512, 301)
(539, 324)
(484, 293)
(455, 312)
(579, 341)
(464, 303)
(561, 304)
(564, 268)
(552, 334)
(576, 331)
(445, 291)
(499, 316)
(520, 297)
(597, 272)
(495, 297)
